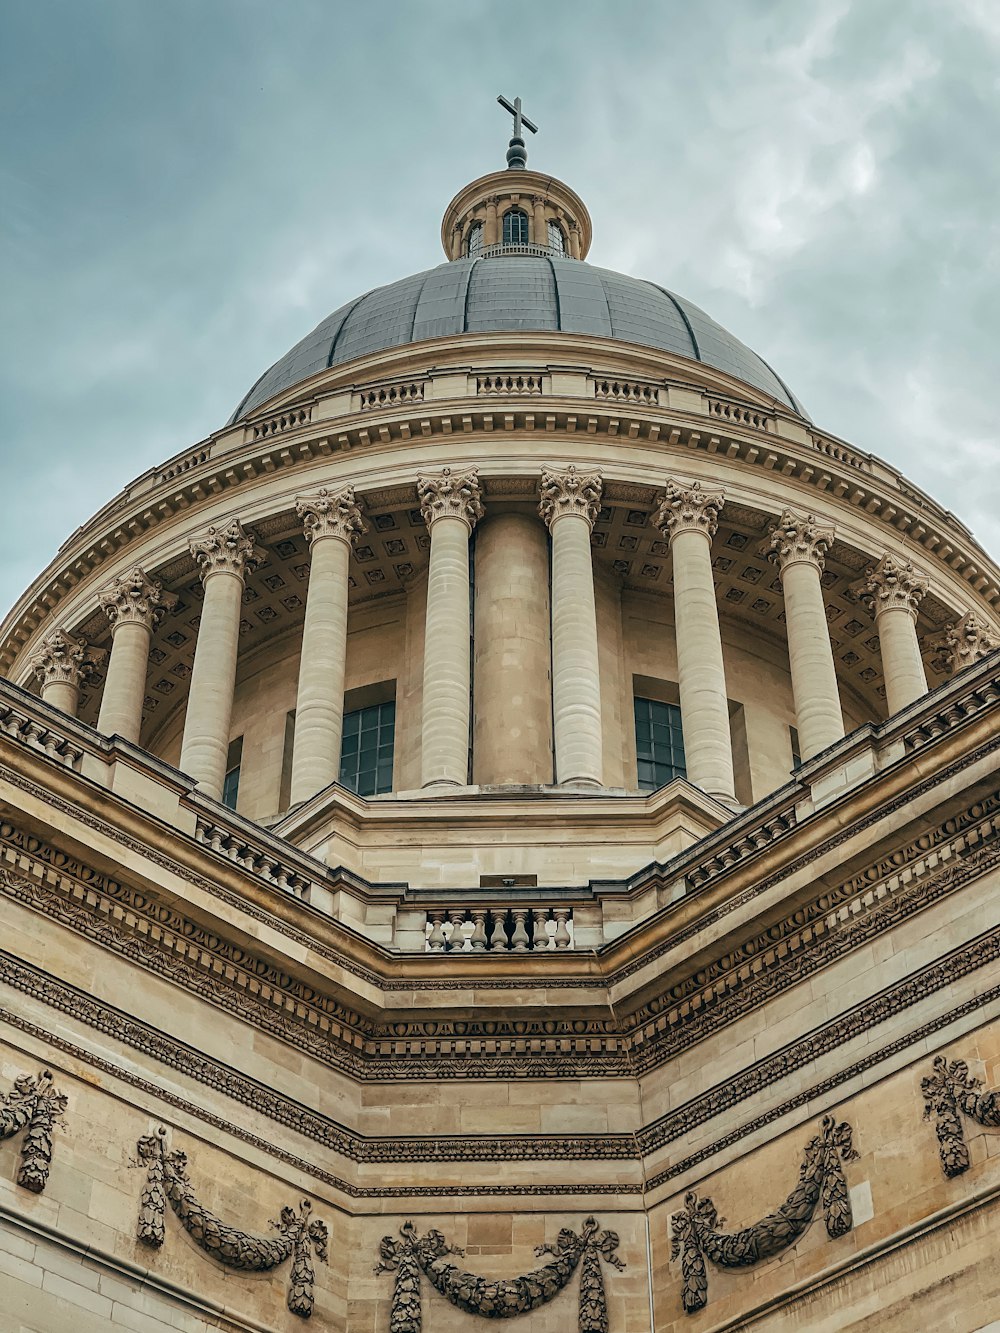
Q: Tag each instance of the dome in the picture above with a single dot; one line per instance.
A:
(522, 292)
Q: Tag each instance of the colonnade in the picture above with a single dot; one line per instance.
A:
(536, 673)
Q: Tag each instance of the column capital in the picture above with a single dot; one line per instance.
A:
(570, 492)
(225, 548)
(451, 495)
(331, 514)
(963, 642)
(688, 509)
(133, 598)
(62, 659)
(798, 539)
(893, 583)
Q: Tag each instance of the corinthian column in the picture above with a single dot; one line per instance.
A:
(895, 589)
(798, 545)
(964, 642)
(451, 507)
(133, 604)
(62, 664)
(332, 519)
(687, 518)
(570, 503)
(225, 555)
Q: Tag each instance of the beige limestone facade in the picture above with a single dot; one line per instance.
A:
(513, 804)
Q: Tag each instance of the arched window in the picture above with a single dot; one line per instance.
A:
(515, 227)
(474, 245)
(556, 241)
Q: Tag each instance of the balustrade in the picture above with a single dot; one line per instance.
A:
(498, 929)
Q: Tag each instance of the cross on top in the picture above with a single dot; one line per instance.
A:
(519, 119)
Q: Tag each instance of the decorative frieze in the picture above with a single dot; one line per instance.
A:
(64, 660)
(33, 1105)
(962, 643)
(798, 538)
(226, 549)
(570, 492)
(688, 509)
(894, 583)
(695, 1236)
(135, 598)
(454, 495)
(299, 1235)
(331, 514)
(949, 1093)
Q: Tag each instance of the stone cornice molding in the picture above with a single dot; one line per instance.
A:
(688, 509)
(798, 539)
(961, 644)
(134, 598)
(225, 548)
(331, 514)
(570, 492)
(451, 495)
(62, 659)
(894, 584)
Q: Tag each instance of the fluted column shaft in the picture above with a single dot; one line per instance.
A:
(331, 520)
(226, 554)
(799, 544)
(133, 604)
(451, 507)
(570, 504)
(491, 231)
(540, 226)
(895, 590)
(688, 517)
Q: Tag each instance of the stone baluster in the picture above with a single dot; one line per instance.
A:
(569, 505)
(477, 939)
(895, 589)
(457, 918)
(436, 940)
(964, 642)
(798, 545)
(134, 605)
(332, 521)
(688, 519)
(519, 936)
(562, 936)
(63, 664)
(451, 507)
(225, 554)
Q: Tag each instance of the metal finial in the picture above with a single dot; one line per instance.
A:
(517, 154)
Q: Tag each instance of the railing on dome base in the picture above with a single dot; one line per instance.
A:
(499, 251)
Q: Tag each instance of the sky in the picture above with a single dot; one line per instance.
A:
(188, 186)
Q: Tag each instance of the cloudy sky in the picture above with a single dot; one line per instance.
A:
(189, 186)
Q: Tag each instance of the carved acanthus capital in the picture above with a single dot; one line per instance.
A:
(226, 549)
(570, 492)
(797, 538)
(688, 509)
(134, 598)
(894, 583)
(451, 495)
(331, 514)
(64, 660)
(964, 642)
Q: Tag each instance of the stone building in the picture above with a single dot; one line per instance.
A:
(518, 783)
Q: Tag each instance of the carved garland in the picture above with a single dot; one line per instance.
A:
(34, 1105)
(298, 1234)
(501, 1298)
(949, 1090)
(694, 1234)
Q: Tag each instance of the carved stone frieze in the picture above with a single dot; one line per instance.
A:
(894, 583)
(454, 495)
(949, 1091)
(64, 659)
(570, 492)
(298, 1237)
(694, 1230)
(331, 514)
(134, 598)
(504, 1298)
(962, 643)
(33, 1105)
(226, 548)
(798, 538)
(688, 509)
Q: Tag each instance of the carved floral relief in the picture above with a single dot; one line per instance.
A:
(33, 1105)
(949, 1093)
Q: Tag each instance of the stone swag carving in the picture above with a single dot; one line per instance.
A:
(949, 1091)
(694, 1230)
(34, 1105)
(500, 1298)
(299, 1235)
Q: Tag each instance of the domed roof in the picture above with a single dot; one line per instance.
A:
(522, 292)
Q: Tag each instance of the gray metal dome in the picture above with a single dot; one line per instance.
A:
(523, 292)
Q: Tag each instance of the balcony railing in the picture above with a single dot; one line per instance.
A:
(500, 251)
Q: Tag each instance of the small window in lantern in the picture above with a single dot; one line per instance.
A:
(515, 227)
(474, 244)
(557, 243)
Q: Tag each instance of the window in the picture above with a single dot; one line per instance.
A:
(659, 743)
(556, 241)
(231, 782)
(793, 736)
(366, 750)
(474, 245)
(515, 227)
